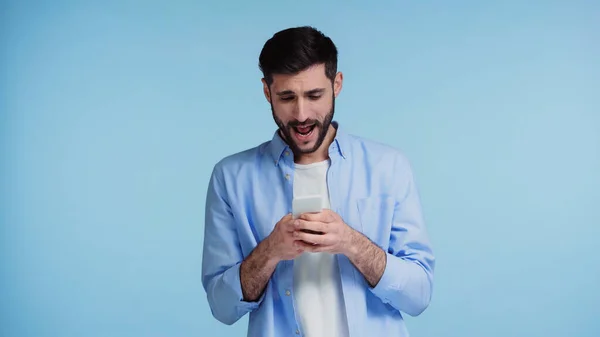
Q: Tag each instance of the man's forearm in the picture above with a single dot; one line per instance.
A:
(367, 257)
(255, 272)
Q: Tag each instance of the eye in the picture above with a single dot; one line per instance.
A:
(287, 98)
(314, 97)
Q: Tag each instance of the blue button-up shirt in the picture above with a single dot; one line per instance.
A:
(371, 187)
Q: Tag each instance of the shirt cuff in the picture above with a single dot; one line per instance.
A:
(232, 278)
(392, 279)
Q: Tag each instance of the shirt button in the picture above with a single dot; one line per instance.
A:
(287, 177)
(287, 293)
(287, 153)
(297, 332)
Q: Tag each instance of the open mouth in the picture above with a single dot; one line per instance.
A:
(304, 130)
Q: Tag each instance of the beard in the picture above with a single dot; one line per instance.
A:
(286, 133)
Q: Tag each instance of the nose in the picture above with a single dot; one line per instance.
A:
(300, 110)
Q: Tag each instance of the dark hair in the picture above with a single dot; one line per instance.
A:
(295, 49)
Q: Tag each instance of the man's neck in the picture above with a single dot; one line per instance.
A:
(322, 152)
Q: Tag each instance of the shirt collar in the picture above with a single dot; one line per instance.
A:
(277, 147)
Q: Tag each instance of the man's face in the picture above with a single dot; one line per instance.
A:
(303, 106)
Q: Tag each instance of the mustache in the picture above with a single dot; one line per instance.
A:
(296, 123)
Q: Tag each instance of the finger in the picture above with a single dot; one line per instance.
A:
(326, 215)
(304, 246)
(313, 216)
(329, 216)
(317, 239)
(285, 220)
(309, 247)
(288, 223)
(315, 226)
(307, 237)
(289, 227)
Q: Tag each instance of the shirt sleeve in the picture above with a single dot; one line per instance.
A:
(222, 257)
(407, 281)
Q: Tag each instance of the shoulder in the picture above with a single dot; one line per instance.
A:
(234, 164)
(384, 164)
(377, 152)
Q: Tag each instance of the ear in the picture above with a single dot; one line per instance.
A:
(266, 90)
(337, 83)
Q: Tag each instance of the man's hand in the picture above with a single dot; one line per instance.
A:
(281, 243)
(258, 268)
(335, 237)
(339, 238)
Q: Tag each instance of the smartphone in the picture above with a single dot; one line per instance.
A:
(308, 204)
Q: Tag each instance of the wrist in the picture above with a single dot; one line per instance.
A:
(267, 249)
(354, 244)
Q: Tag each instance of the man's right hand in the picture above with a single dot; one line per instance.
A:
(256, 269)
(281, 241)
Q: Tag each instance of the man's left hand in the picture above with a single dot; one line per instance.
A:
(336, 238)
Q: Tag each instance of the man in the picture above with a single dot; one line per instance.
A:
(351, 269)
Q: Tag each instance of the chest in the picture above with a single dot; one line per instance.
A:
(360, 196)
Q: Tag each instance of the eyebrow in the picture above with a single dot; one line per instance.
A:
(308, 93)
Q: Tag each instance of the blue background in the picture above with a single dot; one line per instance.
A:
(113, 114)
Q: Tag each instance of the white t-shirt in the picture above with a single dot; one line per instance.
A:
(318, 294)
